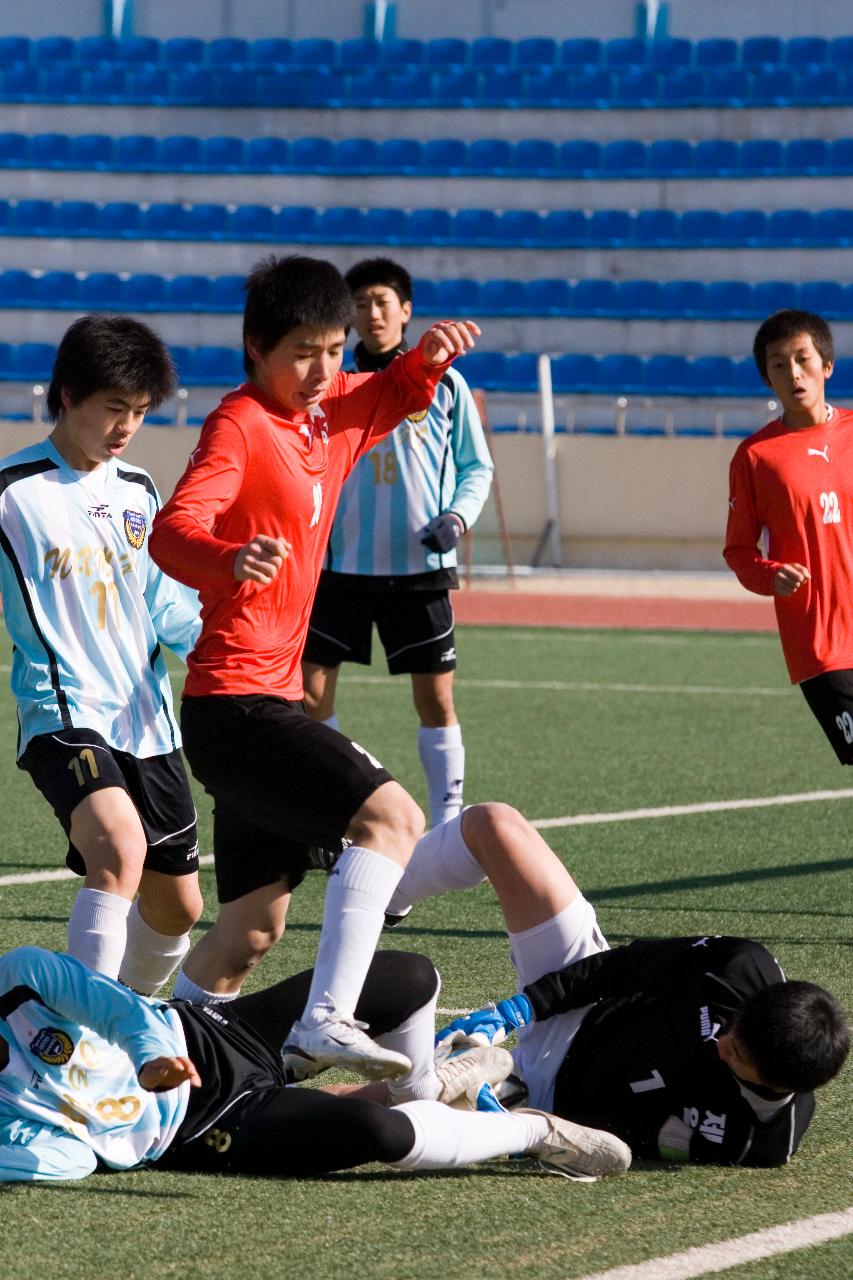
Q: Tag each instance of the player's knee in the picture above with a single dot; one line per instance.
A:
(491, 830)
(389, 821)
(404, 982)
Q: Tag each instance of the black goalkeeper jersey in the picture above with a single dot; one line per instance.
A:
(644, 1062)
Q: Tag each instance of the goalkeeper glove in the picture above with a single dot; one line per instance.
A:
(487, 1026)
(443, 533)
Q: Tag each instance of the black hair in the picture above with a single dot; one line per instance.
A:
(795, 1034)
(284, 293)
(110, 353)
(372, 271)
(787, 324)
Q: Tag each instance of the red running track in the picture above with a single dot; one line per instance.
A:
(529, 609)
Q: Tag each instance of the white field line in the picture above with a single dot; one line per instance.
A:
(593, 686)
(707, 1258)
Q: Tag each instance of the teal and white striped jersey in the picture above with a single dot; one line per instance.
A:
(433, 462)
(85, 605)
(69, 1093)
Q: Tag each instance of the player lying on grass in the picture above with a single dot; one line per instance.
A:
(687, 1048)
(93, 1076)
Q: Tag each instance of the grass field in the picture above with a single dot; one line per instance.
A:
(561, 724)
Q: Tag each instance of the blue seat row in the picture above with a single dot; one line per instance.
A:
(463, 87)
(472, 228)
(549, 296)
(574, 373)
(486, 52)
(498, 157)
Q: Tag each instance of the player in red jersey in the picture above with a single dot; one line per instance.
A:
(247, 526)
(794, 480)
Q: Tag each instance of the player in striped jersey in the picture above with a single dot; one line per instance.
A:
(391, 558)
(87, 611)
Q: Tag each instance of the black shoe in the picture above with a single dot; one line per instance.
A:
(393, 919)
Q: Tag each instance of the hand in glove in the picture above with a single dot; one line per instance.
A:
(443, 532)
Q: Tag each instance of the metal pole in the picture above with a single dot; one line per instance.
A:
(552, 492)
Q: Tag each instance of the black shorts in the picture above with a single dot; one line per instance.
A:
(830, 697)
(280, 783)
(415, 627)
(71, 764)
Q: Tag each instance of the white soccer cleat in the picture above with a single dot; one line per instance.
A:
(463, 1074)
(339, 1042)
(574, 1151)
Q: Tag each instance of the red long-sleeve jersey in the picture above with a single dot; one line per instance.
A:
(259, 470)
(795, 485)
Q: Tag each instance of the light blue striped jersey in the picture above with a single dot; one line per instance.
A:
(69, 1094)
(434, 461)
(85, 605)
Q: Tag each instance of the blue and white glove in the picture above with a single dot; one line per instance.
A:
(487, 1026)
(443, 532)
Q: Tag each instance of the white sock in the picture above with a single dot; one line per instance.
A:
(443, 758)
(357, 894)
(441, 861)
(97, 930)
(415, 1038)
(332, 722)
(150, 958)
(186, 989)
(446, 1138)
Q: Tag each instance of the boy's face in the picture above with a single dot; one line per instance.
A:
(298, 370)
(380, 317)
(797, 374)
(99, 427)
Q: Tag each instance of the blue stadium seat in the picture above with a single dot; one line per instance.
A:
(618, 374)
(207, 221)
(745, 227)
(656, 227)
(270, 52)
(48, 50)
(842, 378)
(146, 291)
(341, 224)
(547, 87)
(520, 227)
(484, 370)
(670, 158)
(193, 86)
(520, 372)
(459, 86)
(121, 218)
(726, 87)
(592, 88)
(295, 223)
(821, 87)
(14, 49)
(640, 298)
(31, 217)
(356, 155)
(716, 157)
(101, 291)
(548, 296)
(400, 155)
(535, 156)
(424, 294)
(7, 361)
(729, 299)
(807, 156)
(476, 227)
(581, 51)
(34, 360)
(105, 83)
(226, 154)
(626, 51)
(504, 297)
(716, 52)
(133, 51)
(180, 51)
(227, 51)
(666, 375)
(790, 227)
(181, 151)
(164, 220)
(580, 156)
(571, 373)
(93, 150)
(383, 225)
(460, 296)
(609, 227)
(95, 49)
(269, 155)
(683, 299)
(806, 51)
(359, 54)
(28, 84)
(445, 51)
(14, 149)
(218, 366)
(252, 222)
(187, 293)
(365, 88)
(669, 54)
(536, 51)
(445, 155)
(761, 51)
(826, 297)
(774, 295)
(184, 360)
(137, 151)
(490, 155)
(683, 88)
(491, 51)
(500, 87)
(626, 157)
(77, 217)
(847, 301)
(407, 88)
(712, 375)
(747, 379)
(312, 155)
(233, 87)
(560, 226)
(226, 293)
(16, 288)
(637, 88)
(593, 297)
(150, 85)
(841, 52)
(430, 226)
(762, 156)
(402, 53)
(773, 87)
(841, 156)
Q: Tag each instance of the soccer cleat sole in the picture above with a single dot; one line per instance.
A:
(577, 1152)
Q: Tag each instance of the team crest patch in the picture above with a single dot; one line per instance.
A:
(417, 417)
(135, 528)
(52, 1046)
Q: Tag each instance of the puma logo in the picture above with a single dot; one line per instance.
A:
(820, 453)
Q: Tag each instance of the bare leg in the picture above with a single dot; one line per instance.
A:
(244, 932)
(320, 684)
